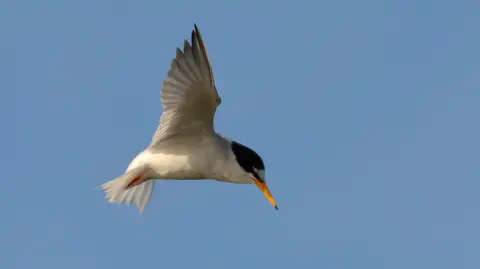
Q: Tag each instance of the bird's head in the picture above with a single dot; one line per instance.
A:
(252, 164)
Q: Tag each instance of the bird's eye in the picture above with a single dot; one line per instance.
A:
(259, 174)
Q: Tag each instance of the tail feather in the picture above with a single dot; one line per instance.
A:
(140, 195)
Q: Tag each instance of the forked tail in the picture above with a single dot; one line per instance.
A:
(130, 187)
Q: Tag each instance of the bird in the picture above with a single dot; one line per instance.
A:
(185, 145)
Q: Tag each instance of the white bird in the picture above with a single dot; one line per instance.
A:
(185, 144)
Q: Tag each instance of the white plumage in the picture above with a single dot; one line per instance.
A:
(185, 144)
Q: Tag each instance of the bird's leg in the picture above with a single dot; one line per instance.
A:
(135, 181)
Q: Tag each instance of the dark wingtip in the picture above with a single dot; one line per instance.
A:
(195, 34)
(276, 207)
(195, 28)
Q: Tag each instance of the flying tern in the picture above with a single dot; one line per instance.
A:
(185, 145)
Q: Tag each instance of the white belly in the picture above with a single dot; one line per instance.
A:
(170, 166)
(200, 161)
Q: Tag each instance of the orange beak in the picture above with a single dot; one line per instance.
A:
(263, 186)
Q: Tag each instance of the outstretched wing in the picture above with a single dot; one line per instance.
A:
(188, 96)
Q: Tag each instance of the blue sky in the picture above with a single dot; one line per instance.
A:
(365, 112)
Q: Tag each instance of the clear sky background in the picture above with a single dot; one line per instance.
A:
(365, 112)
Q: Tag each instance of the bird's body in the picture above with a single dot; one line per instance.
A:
(205, 157)
(185, 145)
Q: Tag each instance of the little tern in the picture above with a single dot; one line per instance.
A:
(185, 144)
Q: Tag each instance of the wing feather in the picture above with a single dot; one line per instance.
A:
(188, 96)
